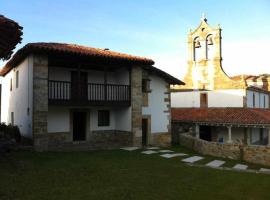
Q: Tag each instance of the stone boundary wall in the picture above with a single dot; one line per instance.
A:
(109, 139)
(257, 154)
(249, 153)
(232, 151)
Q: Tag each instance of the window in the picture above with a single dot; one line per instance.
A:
(11, 84)
(12, 118)
(254, 102)
(17, 79)
(146, 85)
(203, 100)
(264, 106)
(103, 118)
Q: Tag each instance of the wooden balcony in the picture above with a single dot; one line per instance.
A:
(68, 93)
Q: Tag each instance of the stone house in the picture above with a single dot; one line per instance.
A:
(66, 96)
(215, 106)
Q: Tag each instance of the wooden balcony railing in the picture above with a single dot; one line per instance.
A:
(63, 92)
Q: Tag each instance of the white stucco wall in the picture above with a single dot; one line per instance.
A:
(58, 119)
(216, 98)
(19, 100)
(59, 74)
(259, 99)
(120, 119)
(123, 119)
(120, 76)
(156, 105)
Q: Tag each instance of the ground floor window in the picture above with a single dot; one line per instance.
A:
(103, 118)
(12, 118)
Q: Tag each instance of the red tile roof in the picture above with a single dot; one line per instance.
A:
(74, 50)
(234, 116)
(10, 36)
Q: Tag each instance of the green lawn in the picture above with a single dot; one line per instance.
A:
(120, 174)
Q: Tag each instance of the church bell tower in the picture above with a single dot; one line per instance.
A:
(205, 70)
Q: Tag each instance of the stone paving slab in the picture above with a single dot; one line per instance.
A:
(215, 163)
(148, 152)
(152, 148)
(240, 167)
(172, 155)
(129, 148)
(264, 170)
(165, 151)
(192, 159)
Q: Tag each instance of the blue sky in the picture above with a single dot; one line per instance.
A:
(152, 28)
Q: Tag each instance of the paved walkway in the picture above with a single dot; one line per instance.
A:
(192, 159)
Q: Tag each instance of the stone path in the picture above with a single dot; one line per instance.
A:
(130, 148)
(152, 148)
(192, 159)
(215, 163)
(165, 151)
(172, 155)
(240, 167)
(148, 152)
(264, 170)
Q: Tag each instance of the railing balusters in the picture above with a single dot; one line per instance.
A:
(96, 92)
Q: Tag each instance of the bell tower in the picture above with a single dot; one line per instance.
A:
(205, 70)
(204, 44)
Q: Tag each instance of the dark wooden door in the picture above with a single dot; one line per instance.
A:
(203, 100)
(79, 126)
(79, 83)
(144, 131)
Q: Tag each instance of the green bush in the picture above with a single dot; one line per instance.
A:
(10, 132)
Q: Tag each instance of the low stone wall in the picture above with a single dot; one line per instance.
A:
(110, 138)
(257, 154)
(249, 153)
(232, 151)
(161, 139)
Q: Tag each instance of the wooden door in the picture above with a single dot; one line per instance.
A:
(79, 126)
(79, 85)
(144, 131)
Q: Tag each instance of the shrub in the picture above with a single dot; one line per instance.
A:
(10, 132)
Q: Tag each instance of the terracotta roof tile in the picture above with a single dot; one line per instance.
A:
(73, 50)
(234, 116)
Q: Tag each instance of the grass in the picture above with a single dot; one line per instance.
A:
(119, 174)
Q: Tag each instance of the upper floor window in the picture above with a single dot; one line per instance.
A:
(203, 100)
(146, 85)
(17, 79)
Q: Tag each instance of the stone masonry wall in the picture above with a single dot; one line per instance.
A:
(161, 139)
(40, 102)
(249, 153)
(136, 104)
(257, 154)
(232, 151)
